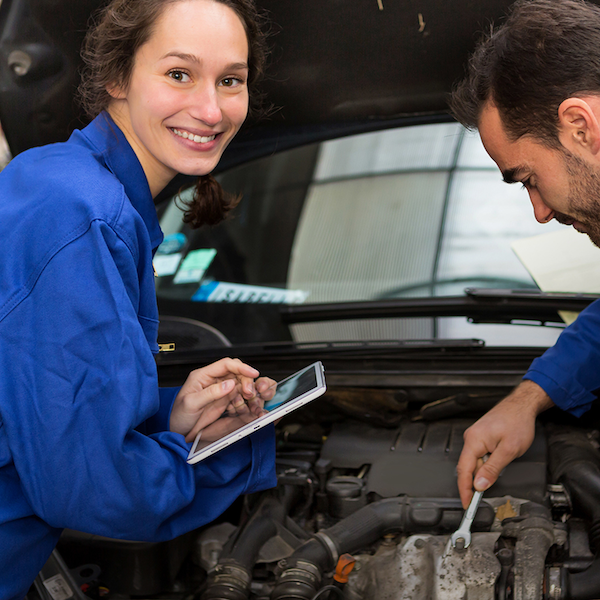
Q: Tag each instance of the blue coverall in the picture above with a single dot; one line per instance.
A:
(84, 439)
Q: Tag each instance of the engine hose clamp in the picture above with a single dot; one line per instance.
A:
(328, 543)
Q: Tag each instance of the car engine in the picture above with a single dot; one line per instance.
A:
(364, 509)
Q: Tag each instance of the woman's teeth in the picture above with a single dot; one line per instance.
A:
(199, 139)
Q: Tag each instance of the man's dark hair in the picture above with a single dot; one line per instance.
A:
(545, 52)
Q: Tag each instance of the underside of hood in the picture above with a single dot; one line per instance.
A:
(346, 66)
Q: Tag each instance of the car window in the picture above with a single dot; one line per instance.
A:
(411, 212)
(4, 151)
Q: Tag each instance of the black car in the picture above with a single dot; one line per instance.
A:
(370, 237)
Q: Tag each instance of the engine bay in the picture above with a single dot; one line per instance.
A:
(364, 509)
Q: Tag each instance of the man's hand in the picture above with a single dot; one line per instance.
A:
(207, 393)
(505, 432)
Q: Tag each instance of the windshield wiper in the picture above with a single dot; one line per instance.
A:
(480, 305)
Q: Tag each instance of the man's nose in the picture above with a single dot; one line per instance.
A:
(542, 213)
(206, 106)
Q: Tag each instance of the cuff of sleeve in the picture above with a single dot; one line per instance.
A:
(159, 421)
(262, 475)
(571, 397)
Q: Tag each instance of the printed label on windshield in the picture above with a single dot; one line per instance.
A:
(172, 243)
(166, 264)
(194, 265)
(218, 291)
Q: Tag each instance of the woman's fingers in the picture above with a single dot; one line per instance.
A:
(190, 405)
(226, 368)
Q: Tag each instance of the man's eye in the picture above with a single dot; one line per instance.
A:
(528, 184)
(179, 76)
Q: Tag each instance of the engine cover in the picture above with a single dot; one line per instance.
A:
(419, 459)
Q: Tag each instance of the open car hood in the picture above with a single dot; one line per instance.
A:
(334, 65)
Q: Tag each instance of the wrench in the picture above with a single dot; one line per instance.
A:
(461, 538)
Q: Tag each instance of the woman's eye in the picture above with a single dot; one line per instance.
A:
(231, 82)
(179, 76)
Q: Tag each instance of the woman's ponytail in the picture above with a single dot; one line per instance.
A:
(210, 203)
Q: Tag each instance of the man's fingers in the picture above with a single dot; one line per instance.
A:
(464, 470)
(488, 473)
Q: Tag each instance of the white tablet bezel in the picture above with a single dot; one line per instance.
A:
(282, 410)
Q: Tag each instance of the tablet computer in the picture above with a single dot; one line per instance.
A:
(291, 393)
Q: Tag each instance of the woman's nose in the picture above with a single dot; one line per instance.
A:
(206, 107)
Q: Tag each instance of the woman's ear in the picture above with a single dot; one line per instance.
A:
(579, 129)
(115, 91)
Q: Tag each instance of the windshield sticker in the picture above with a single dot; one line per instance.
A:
(166, 264)
(218, 291)
(172, 243)
(194, 265)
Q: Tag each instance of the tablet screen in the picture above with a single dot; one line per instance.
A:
(292, 387)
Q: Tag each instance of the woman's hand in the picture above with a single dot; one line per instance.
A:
(264, 390)
(209, 391)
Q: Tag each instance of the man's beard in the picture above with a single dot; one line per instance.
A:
(584, 196)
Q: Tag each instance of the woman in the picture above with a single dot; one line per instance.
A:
(87, 439)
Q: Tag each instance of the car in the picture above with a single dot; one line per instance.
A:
(374, 234)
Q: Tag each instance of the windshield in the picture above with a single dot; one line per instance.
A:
(411, 212)
(4, 151)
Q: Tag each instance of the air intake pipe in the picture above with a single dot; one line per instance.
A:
(230, 579)
(575, 463)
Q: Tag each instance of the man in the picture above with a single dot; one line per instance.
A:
(533, 91)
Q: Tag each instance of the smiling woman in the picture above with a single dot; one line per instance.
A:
(188, 70)
(88, 440)
(186, 96)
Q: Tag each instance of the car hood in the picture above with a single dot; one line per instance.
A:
(334, 65)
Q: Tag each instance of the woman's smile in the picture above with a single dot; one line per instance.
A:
(198, 139)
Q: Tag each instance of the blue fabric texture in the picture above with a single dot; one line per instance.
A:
(84, 440)
(569, 372)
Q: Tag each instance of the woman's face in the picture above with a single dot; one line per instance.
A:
(188, 93)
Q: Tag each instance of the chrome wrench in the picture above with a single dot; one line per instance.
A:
(461, 538)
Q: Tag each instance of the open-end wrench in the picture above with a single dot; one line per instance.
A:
(461, 538)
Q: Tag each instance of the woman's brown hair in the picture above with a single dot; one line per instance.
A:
(108, 54)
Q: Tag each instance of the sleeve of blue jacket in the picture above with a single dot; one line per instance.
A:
(569, 372)
(86, 421)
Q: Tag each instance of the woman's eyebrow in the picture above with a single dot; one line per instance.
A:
(193, 58)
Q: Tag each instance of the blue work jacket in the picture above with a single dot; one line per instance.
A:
(84, 427)
(569, 372)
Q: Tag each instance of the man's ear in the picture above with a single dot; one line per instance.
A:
(579, 129)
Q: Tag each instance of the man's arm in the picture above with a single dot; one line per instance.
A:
(505, 432)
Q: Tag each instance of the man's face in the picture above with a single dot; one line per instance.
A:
(561, 186)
